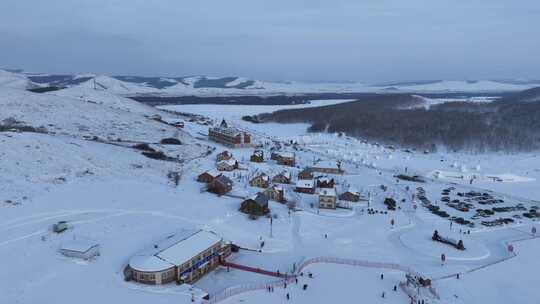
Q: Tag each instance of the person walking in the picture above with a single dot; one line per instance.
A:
(288, 297)
(382, 276)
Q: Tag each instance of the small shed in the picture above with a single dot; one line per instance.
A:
(81, 249)
(208, 176)
(220, 185)
(256, 205)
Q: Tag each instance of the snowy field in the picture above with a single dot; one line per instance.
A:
(111, 194)
(234, 114)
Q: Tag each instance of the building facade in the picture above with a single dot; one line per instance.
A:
(275, 193)
(220, 185)
(227, 165)
(225, 155)
(350, 196)
(229, 136)
(327, 199)
(282, 178)
(208, 176)
(261, 181)
(305, 174)
(305, 186)
(256, 205)
(286, 159)
(183, 257)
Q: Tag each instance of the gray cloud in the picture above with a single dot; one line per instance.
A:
(368, 40)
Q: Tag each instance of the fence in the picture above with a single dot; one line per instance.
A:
(510, 256)
(360, 263)
(233, 291)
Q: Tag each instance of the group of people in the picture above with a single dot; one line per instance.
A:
(384, 293)
(288, 295)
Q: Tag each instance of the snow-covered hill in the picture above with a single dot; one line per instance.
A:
(97, 114)
(79, 130)
(15, 80)
(216, 86)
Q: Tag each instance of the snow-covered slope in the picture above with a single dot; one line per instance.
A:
(106, 98)
(99, 114)
(35, 163)
(115, 86)
(15, 80)
(81, 130)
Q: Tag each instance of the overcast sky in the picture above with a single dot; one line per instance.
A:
(309, 40)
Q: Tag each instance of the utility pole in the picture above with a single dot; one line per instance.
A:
(271, 222)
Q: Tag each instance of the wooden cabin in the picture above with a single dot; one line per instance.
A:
(350, 196)
(262, 181)
(282, 178)
(227, 165)
(306, 174)
(220, 185)
(286, 159)
(257, 156)
(225, 155)
(208, 176)
(275, 193)
(305, 186)
(256, 205)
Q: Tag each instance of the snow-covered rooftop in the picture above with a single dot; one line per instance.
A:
(229, 162)
(326, 164)
(81, 246)
(286, 154)
(214, 173)
(324, 179)
(174, 250)
(305, 183)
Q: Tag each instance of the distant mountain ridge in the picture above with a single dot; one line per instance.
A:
(233, 85)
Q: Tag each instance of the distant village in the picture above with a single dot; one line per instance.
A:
(284, 182)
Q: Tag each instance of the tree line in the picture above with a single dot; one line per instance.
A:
(401, 119)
